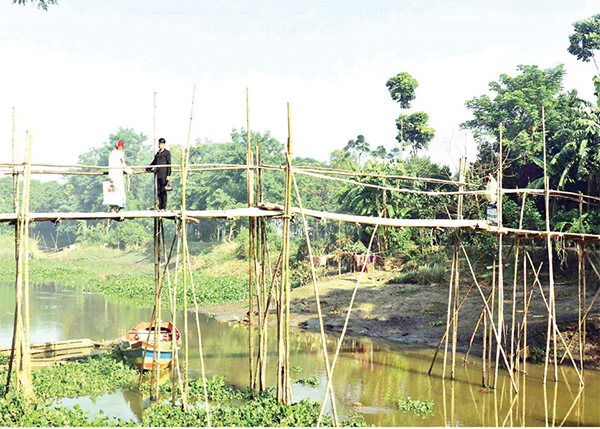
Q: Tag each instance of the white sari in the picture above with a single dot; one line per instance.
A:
(114, 189)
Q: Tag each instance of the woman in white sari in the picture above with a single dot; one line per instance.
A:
(114, 189)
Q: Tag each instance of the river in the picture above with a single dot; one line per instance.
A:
(370, 376)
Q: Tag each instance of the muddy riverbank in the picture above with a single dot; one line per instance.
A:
(416, 314)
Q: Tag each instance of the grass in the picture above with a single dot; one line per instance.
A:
(424, 275)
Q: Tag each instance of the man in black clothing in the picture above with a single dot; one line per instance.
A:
(163, 174)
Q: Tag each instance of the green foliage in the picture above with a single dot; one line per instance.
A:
(139, 290)
(402, 89)
(308, 381)
(414, 131)
(586, 38)
(422, 408)
(261, 410)
(93, 376)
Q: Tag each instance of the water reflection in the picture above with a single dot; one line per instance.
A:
(370, 375)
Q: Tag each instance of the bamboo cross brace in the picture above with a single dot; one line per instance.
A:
(318, 302)
(445, 333)
(481, 316)
(200, 353)
(493, 327)
(556, 330)
(339, 345)
(588, 309)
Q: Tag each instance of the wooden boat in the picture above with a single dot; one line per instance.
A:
(138, 345)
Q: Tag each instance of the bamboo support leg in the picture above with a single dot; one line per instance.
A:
(496, 333)
(555, 326)
(445, 334)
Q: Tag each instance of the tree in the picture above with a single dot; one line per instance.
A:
(342, 159)
(414, 131)
(402, 89)
(380, 153)
(586, 39)
(517, 103)
(41, 4)
(359, 146)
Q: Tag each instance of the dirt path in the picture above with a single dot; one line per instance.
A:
(416, 314)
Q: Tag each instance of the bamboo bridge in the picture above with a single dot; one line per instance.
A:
(270, 292)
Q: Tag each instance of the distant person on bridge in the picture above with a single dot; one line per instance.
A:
(114, 189)
(491, 213)
(162, 174)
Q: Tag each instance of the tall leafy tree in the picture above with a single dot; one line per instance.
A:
(586, 39)
(413, 130)
(516, 103)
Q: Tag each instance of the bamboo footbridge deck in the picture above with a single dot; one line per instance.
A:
(275, 211)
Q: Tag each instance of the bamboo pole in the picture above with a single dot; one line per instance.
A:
(251, 244)
(514, 307)
(585, 314)
(493, 306)
(450, 298)
(556, 331)
(156, 313)
(496, 334)
(283, 376)
(343, 333)
(16, 174)
(552, 306)
(20, 344)
(28, 390)
(184, 265)
(500, 323)
(199, 332)
(462, 173)
(579, 312)
(444, 336)
(329, 370)
(455, 305)
(154, 390)
(481, 317)
(581, 287)
(175, 365)
(525, 315)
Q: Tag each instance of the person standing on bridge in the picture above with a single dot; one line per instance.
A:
(162, 172)
(491, 214)
(114, 189)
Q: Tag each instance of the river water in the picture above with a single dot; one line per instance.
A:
(370, 375)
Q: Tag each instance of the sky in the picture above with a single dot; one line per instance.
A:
(76, 73)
